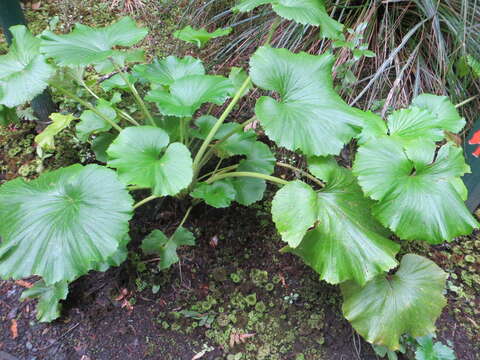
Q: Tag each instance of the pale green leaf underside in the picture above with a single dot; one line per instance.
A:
(49, 297)
(307, 12)
(59, 225)
(120, 58)
(86, 45)
(408, 302)
(345, 241)
(166, 248)
(167, 71)
(201, 36)
(143, 157)
(24, 72)
(46, 139)
(310, 116)
(188, 93)
(417, 199)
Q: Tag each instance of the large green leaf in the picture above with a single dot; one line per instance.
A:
(201, 36)
(86, 45)
(418, 198)
(166, 248)
(407, 302)
(332, 230)
(307, 12)
(447, 116)
(49, 297)
(24, 72)
(46, 139)
(91, 123)
(168, 70)
(310, 115)
(59, 225)
(188, 93)
(142, 156)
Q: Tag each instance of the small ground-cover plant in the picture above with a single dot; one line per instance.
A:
(405, 179)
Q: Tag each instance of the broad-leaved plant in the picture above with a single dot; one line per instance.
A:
(405, 180)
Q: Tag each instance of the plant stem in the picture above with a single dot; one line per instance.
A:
(464, 102)
(120, 113)
(135, 93)
(197, 162)
(88, 106)
(88, 89)
(210, 151)
(144, 201)
(271, 32)
(273, 179)
(135, 187)
(187, 213)
(213, 131)
(303, 172)
(220, 171)
(127, 117)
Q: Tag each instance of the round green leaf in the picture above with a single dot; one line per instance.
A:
(24, 72)
(143, 157)
(166, 248)
(168, 70)
(310, 115)
(417, 199)
(59, 225)
(447, 116)
(414, 123)
(86, 45)
(199, 37)
(187, 94)
(345, 242)
(408, 302)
